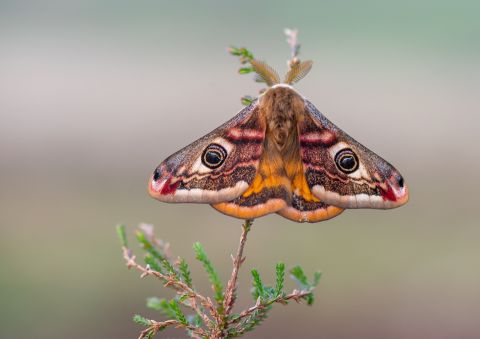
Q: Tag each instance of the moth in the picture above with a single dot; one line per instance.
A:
(279, 154)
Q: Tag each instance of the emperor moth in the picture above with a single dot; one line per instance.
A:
(279, 154)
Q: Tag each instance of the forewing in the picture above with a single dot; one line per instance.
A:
(373, 184)
(187, 176)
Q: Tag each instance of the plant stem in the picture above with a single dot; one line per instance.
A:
(295, 295)
(230, 292)
(178, 285)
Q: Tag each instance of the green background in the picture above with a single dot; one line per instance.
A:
(94, 94)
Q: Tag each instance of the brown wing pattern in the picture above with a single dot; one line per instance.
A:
(218, 167)
(342, 172)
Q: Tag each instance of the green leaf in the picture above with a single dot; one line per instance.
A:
(162, 306)
(211, 272)
(141, 320)
(142, 239)
(234, 51)
(316, 278)
(300, 277)
(169, 268)
(155, 303)
(122, 235)
(246, 100)
(185, 272)
(145, 322)
(150, 260)
(258, 287)
(247, 225)
(147, 246)
(154, 258)
(183, 297)
(241, 52)
(280, 278)
(250, 322)
(178, 312)
(195, 320)
(150, 334)
(246, 70)
(270, 293)
(310, 299)
(246, 53)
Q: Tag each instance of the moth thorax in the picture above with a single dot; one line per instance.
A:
(281, 107)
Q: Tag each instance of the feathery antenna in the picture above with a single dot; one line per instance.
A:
(297, 69)
(265, 72)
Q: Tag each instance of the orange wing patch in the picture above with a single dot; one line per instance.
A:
(299, 186)
(280, 188)
(269, 192)
(304, 206)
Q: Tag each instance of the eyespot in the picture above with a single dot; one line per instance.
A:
(346, 161)
(156, 174)
(214, 156)
(400, 181)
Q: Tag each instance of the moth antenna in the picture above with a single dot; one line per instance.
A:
(258, 78)
(267, 73)
(298, 71)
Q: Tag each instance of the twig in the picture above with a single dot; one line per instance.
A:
(157, 326)
(206, 320)
(230, 292)
(292, 40)
(178, 285)
(295, 295)
(147, 229)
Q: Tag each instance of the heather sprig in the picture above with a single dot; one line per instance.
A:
(199, 315)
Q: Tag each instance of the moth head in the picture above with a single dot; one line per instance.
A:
(355, 177)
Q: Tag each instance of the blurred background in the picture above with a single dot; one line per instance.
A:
(94, 94)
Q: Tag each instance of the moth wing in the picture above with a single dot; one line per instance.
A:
(374, 183)
(303, 206)
(302, 210)
(268, 193)
(188, 176)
